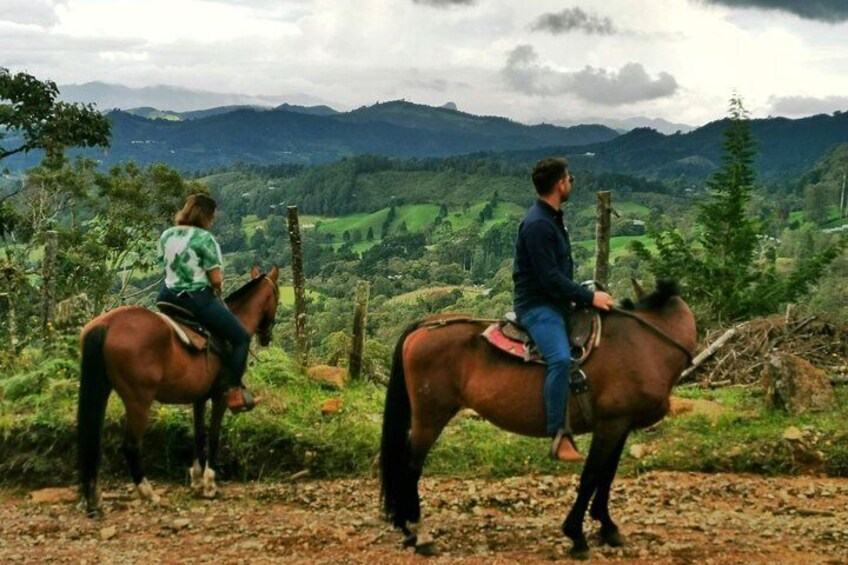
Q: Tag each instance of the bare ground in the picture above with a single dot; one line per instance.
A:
(666, 518)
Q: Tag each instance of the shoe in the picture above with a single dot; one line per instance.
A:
(563, 449)
(239, 399)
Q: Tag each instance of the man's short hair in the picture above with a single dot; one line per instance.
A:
(547, 173)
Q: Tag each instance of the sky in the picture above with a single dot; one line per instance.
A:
(529, 60)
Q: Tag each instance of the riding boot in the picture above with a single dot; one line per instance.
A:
(563, 447)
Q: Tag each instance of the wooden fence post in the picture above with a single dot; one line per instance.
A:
(48, 286)
(358, 343)
(301, 341)
(602, 238)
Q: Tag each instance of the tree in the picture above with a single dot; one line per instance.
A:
(33, 119)
(718, 267)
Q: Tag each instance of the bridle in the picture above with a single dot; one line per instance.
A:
(656, 331)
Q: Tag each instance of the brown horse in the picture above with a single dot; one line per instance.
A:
(438, 369)
(135, 352)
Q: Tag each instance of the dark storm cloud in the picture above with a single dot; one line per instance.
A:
(628, 85)
(573, 19)
(830, 11)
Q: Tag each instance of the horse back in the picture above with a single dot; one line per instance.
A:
(145, 359)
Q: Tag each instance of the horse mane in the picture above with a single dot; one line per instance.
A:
(243, 290)
(665, 291)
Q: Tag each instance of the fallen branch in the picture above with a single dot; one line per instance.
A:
(708, 352)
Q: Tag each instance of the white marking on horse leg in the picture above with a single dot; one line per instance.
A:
(210, 489)
(195, 473)
(145, 491)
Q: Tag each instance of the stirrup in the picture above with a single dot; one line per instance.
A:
(249, 402)
(561, 435)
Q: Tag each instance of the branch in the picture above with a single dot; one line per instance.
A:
(709, 352)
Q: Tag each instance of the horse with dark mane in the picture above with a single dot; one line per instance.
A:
(137, 353)
(438, 368)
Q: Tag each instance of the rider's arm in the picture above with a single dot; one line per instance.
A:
(216, 279)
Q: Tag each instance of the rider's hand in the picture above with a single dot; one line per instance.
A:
(602, 301)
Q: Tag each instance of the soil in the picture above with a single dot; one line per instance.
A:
(666, 518)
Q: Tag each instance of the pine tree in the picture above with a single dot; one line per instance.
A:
(728, 232)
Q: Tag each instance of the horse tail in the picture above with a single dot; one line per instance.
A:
(395, 453)
(91, 409)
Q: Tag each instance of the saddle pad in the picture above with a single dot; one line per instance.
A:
(494, 335)
(186, 335)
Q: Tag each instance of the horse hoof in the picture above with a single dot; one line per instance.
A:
(579, 553)
(427, 549)
(210, 493)
(613, 539)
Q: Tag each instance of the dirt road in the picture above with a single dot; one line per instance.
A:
(666, 518)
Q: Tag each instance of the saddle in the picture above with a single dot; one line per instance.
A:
(584, 334)
(189, 331)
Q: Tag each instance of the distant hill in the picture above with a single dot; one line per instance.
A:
(175, 99)
(626, 124)
(785, 150)
(156, 114)
(400, 129)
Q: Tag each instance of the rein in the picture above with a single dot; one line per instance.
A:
(656, 330)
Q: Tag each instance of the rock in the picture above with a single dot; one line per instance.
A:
(327, 375)
(796, 385)
(639, 451)
(678, 406)
(802, 447)
(181, 523)
(331, 406)
(108, 532)
(53, 495)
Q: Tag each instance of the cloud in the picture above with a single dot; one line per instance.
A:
(573, 19)
(830, 11)
(524, 73)
(445, 3)
(31, 12)
(807, 105)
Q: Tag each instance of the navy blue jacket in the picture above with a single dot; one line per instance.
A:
(543, 268)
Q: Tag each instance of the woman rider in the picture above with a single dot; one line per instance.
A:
(193, 280)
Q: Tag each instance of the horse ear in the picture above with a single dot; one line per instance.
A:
(254, 272)
(640, 294)
(274, 274)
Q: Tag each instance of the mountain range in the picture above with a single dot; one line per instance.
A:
(192, 140)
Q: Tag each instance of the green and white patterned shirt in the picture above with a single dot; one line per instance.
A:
(187, 253)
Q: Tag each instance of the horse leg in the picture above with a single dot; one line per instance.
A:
(600, 503)
(219, 408)
(195, 472)
(605, 440)
(422, 436)
(133, 434)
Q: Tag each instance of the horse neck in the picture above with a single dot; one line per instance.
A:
(249, 311)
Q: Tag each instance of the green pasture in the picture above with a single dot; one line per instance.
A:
(630, 210)
(619, 246)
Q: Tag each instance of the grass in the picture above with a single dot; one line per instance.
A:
(626, 209)
(289, 432)
(618, 245)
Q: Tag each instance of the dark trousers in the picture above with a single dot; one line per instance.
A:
(214, 315)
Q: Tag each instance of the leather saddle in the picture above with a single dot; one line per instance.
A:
(584, 334)
(188, 330)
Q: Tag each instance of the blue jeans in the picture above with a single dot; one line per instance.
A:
(546, 325)
(214, 315)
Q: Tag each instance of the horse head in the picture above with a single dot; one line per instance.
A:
(269, 312)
